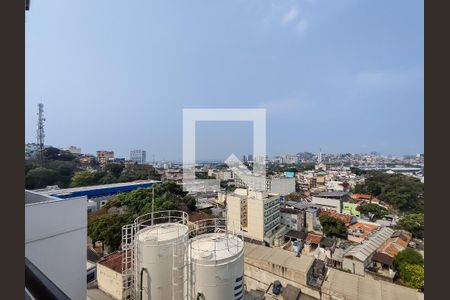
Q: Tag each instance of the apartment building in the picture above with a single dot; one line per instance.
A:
(138, 156)
(236, 210)
(281, 186)
(104, 156)
(256, 213)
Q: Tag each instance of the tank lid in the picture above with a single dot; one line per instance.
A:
(215, 246)
(162, 232)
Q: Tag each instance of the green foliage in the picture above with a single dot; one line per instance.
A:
(357, 171)
(408, 256)
(108, 229)
(371, 208)
(168, 196)
(414, 223)
(332, 226)
(412, 275)
(83, 178)
(40, 178)
(404, 193)
(135, 200)
(273, 168)
(115, 170)
(52, 153)
(63, 168)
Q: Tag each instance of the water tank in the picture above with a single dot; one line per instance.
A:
(160, 257)
(217, 265)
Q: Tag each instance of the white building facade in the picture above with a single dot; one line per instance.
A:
(55, 240)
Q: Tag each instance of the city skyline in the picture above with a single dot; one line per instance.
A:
(325, 82)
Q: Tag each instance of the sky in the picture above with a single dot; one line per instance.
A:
(343, 76)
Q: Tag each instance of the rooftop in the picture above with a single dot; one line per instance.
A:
(362, 251)
(313, 238)
(345, 218)
(332, 194)
(389, 249)
(278, 257)
(299, 235)
(95, 190)
(348, 286)
(291, 211)
(113, 261)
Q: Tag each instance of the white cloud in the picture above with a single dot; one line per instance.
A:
(290, 16)
(302, 25)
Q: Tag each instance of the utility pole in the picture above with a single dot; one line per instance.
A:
(40, 135)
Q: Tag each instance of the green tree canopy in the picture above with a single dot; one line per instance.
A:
(40, 178)
(414, 223)
(332, 226)
(108, 229)
(115, 170)
(371, 208)
(402, 192)
(412, 275)
(83, 178)
(408, 256)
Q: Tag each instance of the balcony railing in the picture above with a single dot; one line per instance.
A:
(38, 286)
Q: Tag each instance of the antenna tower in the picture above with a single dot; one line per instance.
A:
(40, 135)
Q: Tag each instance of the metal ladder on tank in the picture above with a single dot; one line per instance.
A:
(180, 278)
(128, 262)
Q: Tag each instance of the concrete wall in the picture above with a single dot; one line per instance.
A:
(236, 213)
(255, 221)
(330, 203)
(109, 281)
(55, 241)
(353, 265)
(282, 186)
(260, 277)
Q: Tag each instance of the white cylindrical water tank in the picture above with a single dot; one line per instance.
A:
(217, 266)
(160, 260)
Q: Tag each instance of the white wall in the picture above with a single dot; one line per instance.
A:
(55, 241)
(282, 186)
(330, 203)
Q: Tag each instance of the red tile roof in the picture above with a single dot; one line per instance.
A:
(345, 218)
(313, 238)
(113, 261)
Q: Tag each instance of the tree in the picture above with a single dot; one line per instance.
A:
(114, 169)
(404, 193)
(371, 208)
(412, 275)
(135, 200)
(408, 256)
(83, 178)
(108, 229)
(414, 223)
(40, 178)
(357, 171)
(332, 226)
(52, 153)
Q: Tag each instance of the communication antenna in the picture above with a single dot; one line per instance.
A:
(40, 132)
